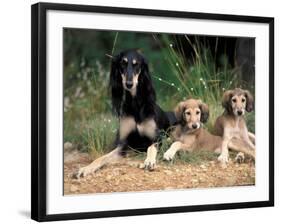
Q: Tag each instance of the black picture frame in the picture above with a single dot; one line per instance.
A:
(39, 122)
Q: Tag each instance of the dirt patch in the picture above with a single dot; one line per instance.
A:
(125, 176)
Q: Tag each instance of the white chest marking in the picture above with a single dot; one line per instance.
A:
(147, 128)
(127, 125)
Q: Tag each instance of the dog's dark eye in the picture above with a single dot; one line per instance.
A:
(187, 113)
(135, 64)
(243, 100)
(124, 62)
(197, 112)
(234, 100)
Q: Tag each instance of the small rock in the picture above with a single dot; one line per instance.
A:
(201, 179)
(194, 181)
(168, 188)
(168, 172)
(108, 177)
(68, 146)
(203, 167)
(73, 188)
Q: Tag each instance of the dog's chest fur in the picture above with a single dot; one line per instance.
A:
(145, 128)
(179, 134)
(136, 107)
(236, 128)
(199, 139)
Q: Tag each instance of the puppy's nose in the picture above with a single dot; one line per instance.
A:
(194, 126)
(129, 85)
(239, 112)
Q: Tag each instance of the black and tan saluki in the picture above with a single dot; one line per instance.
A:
(134, 102)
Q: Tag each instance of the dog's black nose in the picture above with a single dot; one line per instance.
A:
(194, 126)
(129, 85)
(239, 112)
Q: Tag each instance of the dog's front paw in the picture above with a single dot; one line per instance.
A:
(82, 172)
(240, 157)
(150, 163)
(168, 155)
(223, 158)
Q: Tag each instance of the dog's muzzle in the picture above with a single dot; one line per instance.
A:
(194, 126)
(129, 84)
(239, 112)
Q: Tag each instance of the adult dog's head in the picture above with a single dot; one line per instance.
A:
(191, 113)
(237, 101)
(129, 73)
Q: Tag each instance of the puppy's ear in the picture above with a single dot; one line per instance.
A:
(249, 101)
(204, 112)
(179, 111)
(226, 99)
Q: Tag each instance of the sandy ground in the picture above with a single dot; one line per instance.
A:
(126, 175)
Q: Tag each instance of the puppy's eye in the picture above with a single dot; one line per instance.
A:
(197, 112)
(234, 100)
(187, 113)
(243, 100)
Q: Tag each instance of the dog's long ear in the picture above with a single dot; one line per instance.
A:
(204, 112)
(179, 111)
(249, 101)
(116, 85)
(145, 83)
(226, 100)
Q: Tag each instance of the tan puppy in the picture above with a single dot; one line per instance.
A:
(189, 135)
(231, 124)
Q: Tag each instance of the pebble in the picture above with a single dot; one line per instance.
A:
(169, 188)
(168, 172)
(203, 167)
(194, 181)
(73, 188)
(67, 146)
(108, 177)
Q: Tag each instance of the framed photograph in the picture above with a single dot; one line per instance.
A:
(139, 111)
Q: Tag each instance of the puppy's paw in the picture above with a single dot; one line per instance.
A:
(168, 155)
(240, 157)
(82, 172)
(223, 159)
(150, 163)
